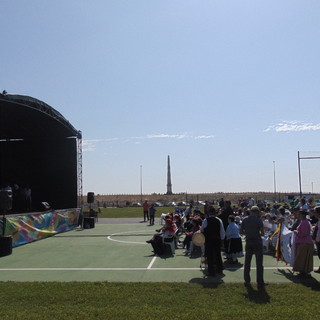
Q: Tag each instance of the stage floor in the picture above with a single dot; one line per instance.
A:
(115, 250)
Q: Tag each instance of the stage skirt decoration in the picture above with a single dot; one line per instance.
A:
(32, 227)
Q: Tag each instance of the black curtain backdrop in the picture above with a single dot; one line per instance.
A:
(44, 157)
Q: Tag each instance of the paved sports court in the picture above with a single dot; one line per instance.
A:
(115, 250)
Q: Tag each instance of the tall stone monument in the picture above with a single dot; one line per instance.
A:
(169, 184)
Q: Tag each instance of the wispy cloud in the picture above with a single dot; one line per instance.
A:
(90, 145)
(293, 126)
(166, 136)
(204, 137)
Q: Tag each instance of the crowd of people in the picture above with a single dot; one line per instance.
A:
(264, 227)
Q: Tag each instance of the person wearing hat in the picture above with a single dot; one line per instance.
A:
(252, 228)
(213, 230)
(303, 258)
(169, 229)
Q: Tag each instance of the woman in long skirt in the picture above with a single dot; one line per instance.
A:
(303, 261)
(317, 234)
(233, 241)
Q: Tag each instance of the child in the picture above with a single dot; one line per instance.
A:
(234, 242)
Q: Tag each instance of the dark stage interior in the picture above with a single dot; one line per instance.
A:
(39, 148)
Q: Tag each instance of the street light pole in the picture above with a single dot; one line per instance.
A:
(304, 158)
(274, 181)
(299, 170)
(141, 182)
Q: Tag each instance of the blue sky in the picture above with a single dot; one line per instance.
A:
(226, 88)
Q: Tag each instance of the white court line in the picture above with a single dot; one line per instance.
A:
(124, 241)
(152, 262)
(126, 269)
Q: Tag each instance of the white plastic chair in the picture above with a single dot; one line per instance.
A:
(170, 240)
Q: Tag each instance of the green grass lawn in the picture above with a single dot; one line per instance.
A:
(102, 300)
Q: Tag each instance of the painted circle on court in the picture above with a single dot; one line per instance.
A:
(111, 237)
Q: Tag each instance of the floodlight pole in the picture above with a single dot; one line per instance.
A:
(141, 183)
(305, 158)
(299, 174)
(274, 181)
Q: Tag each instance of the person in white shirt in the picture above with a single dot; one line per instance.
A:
(234, 242)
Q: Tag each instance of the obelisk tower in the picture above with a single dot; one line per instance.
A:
(169, 185)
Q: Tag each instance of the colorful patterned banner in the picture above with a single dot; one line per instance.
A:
(29, 228)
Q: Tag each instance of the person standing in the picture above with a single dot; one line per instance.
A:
(252, 228)
(213, 230)
(145, 211)
(226, 211)
(234, 242)
(317, 234)
(303, 259)
(206, 209)
(152, 212)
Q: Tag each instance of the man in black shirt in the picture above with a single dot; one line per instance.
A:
(214, 233)
(252, 228)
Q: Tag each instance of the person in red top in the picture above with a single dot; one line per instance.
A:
(169, 229)
(145, 211)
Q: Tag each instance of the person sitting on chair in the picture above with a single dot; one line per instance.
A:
(196, 224)
(169, 229)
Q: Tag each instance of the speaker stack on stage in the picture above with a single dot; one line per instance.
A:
(5, 241)
(89, 222)
(5, 246)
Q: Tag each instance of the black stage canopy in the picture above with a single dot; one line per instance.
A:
(39, 148)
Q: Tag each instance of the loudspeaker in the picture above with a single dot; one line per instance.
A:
(90, 197)
(5, 245)
(88, 223)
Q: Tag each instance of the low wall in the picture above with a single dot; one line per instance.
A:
(36, 226)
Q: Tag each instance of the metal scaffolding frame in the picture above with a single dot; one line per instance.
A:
(79, 171)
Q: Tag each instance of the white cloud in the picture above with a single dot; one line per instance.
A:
(293, 126)
(90, 145)
(166, 136)
(204, 137)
